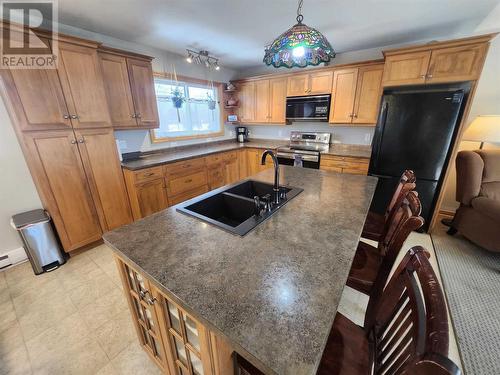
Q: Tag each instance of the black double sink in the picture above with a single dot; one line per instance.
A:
(234, 208)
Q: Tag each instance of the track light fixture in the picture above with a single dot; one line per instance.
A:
(203, 58)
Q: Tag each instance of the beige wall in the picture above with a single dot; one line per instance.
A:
(17, 190)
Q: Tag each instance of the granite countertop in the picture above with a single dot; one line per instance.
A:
(187, 152)
(274, 292)
(192, 151)
(356, 151)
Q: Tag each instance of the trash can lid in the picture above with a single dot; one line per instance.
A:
(30, 217)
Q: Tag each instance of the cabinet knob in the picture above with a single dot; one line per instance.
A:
(429, 76)
(355, 115)
(81, 140)
(138, 115)
(422, 76)
(73, 142)
(133, 115)
(74, 117)
(66, 117)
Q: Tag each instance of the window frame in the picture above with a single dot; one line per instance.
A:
(218, 86)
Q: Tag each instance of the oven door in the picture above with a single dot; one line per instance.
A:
(308, 161)
(307, 108)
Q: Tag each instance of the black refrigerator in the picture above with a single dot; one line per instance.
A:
(416, 129)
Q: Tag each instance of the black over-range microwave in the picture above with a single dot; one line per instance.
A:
(308, 108)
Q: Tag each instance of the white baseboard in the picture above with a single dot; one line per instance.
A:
(12, 257)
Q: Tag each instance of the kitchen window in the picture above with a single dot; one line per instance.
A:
(198, 117)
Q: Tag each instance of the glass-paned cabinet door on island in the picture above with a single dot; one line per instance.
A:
(186, 337)
(143, 305)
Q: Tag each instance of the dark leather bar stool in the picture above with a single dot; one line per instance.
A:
(406, 333)
(372, 262)
(375, 223)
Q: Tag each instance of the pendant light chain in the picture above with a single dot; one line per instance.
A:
(300, 17)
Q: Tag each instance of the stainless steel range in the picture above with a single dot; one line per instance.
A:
(304, 149)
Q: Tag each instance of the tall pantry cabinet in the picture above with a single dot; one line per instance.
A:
(62, 120)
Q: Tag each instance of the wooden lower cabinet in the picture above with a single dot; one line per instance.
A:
(344, 164)
(254, 157)
(174, 339)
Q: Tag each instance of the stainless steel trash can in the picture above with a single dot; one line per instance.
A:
(40, 242)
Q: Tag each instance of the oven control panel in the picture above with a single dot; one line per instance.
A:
(310, 137)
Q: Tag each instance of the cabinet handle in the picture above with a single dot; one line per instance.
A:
(150, 300)
(73, 142)
(186, 165)
(149, 174)
(74, 117)
(66, 117)
(188, 181)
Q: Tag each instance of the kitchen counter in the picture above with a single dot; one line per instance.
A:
(192, 151)
(187, 152)
(274, 292)
(355, 151)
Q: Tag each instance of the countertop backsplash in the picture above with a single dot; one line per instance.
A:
(139, 140)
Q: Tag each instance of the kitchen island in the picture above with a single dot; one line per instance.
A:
(271, 295)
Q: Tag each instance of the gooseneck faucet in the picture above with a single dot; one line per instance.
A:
(276, 188)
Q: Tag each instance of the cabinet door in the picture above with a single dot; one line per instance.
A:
(277, 100)
(253, 162)
(37, 98)
(151, 196)
(406, 69)
(231, 171)
(117, 86)
(247, 102)
(142, 302)
(368, 94)
(105, 178)
(58, 168)
(262, 101)
(243, 163)
(83, 87)
(298, 85)
(143, 92)
(456, 63)
(344, 92)
(189, 340)
(216, 176)
(320, 83)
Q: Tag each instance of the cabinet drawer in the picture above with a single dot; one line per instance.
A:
(330, 168)
(148, 174)
(186, 183)
(230, 156)
(360, 169)
(187, 195)
(184, 167)
(214, 159)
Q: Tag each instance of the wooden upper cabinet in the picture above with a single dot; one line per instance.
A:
(247, 102)
(82, 83)
(368, 94)
(462, 63)
(320, 82)
(118, 93)
(143, 92)
(277, 101)
(37, 99)
(298, 84)
(406, 68)
(343, 95)
(105, 178)
(262, 98)
(314, 83)
(58, 170)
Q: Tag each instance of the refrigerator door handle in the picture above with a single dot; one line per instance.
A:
(378, 142)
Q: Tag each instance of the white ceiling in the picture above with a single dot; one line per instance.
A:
(236, 31)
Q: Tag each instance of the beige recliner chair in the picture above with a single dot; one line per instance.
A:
(478, 191)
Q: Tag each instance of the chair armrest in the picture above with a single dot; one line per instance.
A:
(469, 167)
(487, 206)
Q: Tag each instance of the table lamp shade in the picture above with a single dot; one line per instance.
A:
(483, 129)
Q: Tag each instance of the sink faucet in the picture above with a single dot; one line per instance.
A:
(276, 188)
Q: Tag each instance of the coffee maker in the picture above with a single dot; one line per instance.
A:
(241, 134)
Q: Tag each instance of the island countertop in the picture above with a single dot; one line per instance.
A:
(274, 292)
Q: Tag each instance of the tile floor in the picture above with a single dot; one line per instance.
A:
(75, 320)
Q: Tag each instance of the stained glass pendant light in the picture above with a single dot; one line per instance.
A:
(299, 46)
